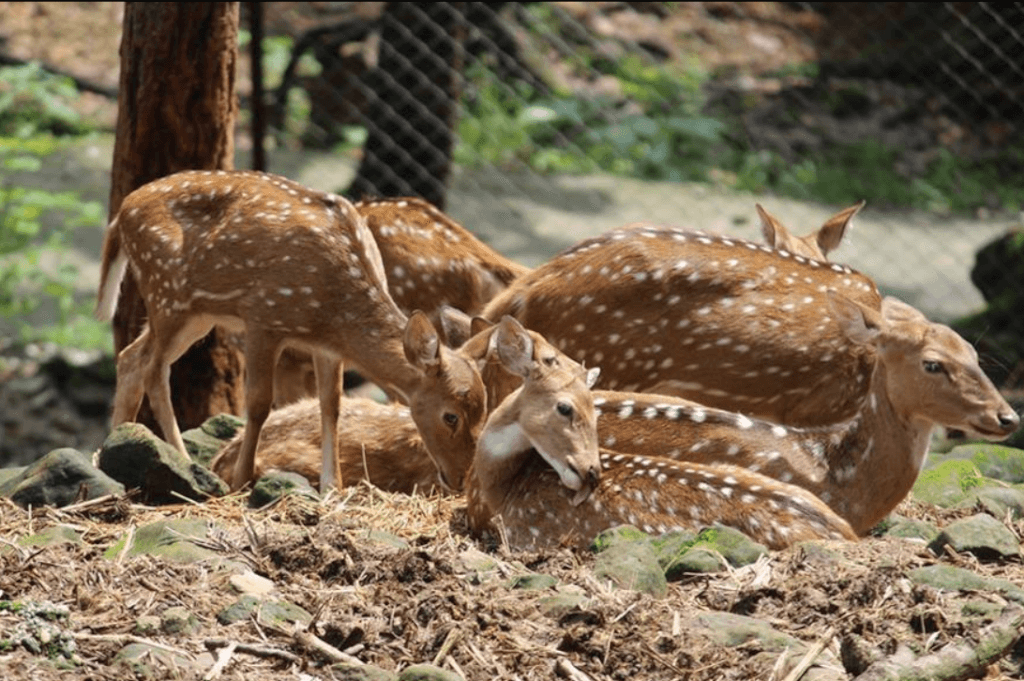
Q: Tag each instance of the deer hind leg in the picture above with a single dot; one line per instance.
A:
(166, 348)
(261, 354)
(329, 386)
(130, 387)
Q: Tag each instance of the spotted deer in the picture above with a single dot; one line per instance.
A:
(816, 245)
(288, 266)
(924, 375)
(725, 322)
(376, 442)
(429, 260)
(537, 467)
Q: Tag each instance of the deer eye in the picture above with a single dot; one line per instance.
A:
(451, 420)
(565, 409)
(933, 367)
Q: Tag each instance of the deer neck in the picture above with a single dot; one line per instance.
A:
(502, 451)
(873, 459)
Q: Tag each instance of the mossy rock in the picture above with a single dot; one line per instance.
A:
(427, 672)
(51, 536)
(170, 540)
(993, 460)
(947, 483)
(280, 613)
(952, 578)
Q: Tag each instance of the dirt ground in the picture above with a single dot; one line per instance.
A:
(428, 602)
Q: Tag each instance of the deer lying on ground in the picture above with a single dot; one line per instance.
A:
(376, 442)
(815, 245)
(288, 266)
(537, 462)
(429, 260)
(725, 322)
(924, 375)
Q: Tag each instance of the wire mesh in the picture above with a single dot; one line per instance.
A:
(529, 122)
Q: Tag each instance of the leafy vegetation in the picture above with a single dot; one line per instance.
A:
(35, 270)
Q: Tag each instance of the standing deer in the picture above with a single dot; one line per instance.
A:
(725, 322)
(288, 266)
(815, 245)
(429, 260)
(537, 462)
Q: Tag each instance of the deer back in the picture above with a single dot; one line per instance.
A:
(722, 321)
(431, 260)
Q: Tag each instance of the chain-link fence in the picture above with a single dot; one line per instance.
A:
(538, 124)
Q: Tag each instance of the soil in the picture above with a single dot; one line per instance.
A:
(392, 607)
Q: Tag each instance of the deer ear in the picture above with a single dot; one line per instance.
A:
(456, 326)
(775, 234)
(514, 346)
(592, 376)
(858, 323)
(479, 324)
(832, 232)
(896, 311)
(421, 343)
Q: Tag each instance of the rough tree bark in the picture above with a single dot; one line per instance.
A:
(176, 111)
(413, 105)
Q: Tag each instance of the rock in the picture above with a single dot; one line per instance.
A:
(981, 535)
(251, 583)
(628, 560)
(58, 534)
(134, 456)
(907, 528)
(732, 630)
(343, 671)
(277, 484)
(146, 625)
(178, 620)
(58, 479)
(617, 534)
(996, 499)
(737, 548)
(946, 483)
(168, 539)
(427, 672)
(9, 472)
(953, 578)
(992, 460)
(144, 661)
(274, 611)
(562, 603)
(532, 582)
(223, 426)
(696, 560)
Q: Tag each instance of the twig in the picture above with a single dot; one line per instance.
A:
(812, 654)
(250, 649)
(187, 500)
(89, 503)
(128, 638)
(128, 541)
(446, 647)
(565, 669)
(955, 662)
(223, 657)
(310, 641)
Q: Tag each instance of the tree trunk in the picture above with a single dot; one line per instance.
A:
(176, 111)
(413, 105)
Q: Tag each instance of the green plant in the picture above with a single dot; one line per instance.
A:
(35, 265)
(32, 101)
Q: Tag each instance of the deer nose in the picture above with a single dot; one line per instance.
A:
(1009, 422)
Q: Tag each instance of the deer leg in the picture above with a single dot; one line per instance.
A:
(329, 386)
(130, 388)
(166, 349)
(260, 359)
